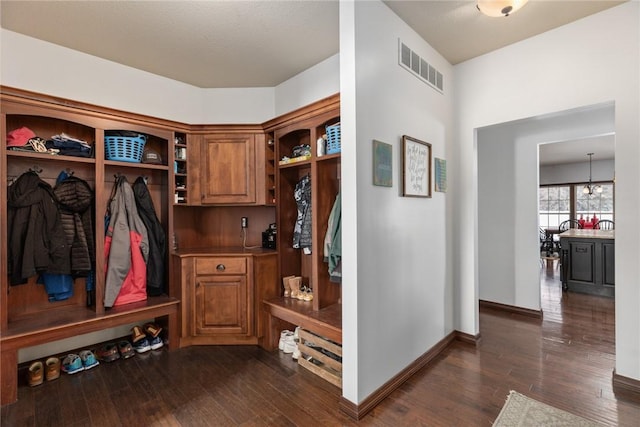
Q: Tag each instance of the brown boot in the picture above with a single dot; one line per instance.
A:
(294, 284)
(36, 374)
(285, 284)
(52, 368)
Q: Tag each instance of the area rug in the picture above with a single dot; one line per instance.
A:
(521, 411)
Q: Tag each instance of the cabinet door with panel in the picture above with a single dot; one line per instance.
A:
(222, 300)
(229, 169)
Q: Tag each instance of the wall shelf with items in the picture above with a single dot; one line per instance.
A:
(270, 158)
(30, 314)
(180, 169)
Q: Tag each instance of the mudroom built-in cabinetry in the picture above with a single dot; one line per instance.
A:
(29, 313)
(300, 162)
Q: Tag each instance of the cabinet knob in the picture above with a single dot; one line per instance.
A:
(220, 267)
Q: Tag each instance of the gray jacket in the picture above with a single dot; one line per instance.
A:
(126, 249)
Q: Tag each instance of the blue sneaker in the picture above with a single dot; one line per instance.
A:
(72, 364)
(142, 346)
(88, 359)
(156, 343)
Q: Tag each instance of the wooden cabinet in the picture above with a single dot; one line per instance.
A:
(222, 301)
(588, 261)
(229, 169)
(27, 316)
(220, 289)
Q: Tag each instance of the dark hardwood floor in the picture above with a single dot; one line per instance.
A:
(565, 360)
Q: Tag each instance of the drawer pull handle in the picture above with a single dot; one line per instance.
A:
(220, 267)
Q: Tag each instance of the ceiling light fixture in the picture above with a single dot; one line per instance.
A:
(498, 8)
(590, 188)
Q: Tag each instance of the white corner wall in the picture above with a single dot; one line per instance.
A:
(601, 170)
(589, 62)
(315, 83)
(38, 66)
(397, 300)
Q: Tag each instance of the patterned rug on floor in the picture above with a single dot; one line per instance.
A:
(521, 411)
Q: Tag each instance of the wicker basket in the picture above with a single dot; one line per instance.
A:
(333, 138)
(124, 148)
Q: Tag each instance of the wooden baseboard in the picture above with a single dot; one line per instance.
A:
(510, 309)
(468, 338)
(357, 411)
(625, 384)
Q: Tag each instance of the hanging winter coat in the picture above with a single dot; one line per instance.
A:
(156, 278)
(302, 227)
(37, 243)
(75, 199)
(126, 249)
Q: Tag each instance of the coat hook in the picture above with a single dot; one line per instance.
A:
(36, 169)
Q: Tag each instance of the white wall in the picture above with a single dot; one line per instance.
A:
(315, 83)
(397, 301)
(566, 68)
(35, 65)
(601, 170)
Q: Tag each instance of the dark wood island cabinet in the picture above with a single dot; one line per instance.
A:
(588, 261)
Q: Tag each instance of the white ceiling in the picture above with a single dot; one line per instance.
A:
(575, 151)
(215, 44)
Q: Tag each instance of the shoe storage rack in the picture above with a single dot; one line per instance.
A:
(320, 356)
(27, 317)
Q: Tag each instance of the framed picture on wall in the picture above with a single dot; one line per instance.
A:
(416, 167)
(440, 173)
(382, 164)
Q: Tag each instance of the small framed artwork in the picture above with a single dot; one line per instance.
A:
(440, 172)
(416, 167)
(382, 164)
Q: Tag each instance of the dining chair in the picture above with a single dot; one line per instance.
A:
(604, 224)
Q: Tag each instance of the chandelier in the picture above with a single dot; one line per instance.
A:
(498, 8)
(590, 188)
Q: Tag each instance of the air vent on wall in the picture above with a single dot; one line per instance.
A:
(411, 61)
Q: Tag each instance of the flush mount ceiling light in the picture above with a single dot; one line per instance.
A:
(590, 188)
(498, 8)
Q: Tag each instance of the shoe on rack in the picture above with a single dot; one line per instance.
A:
(108, 352)
(36, 374)
(52, 368)
(88, 359)
(285, 285)
(296, 353)
(152, 330)
(137, 334)
(294, 284)
(283, 336)
(156, 343)
(72, 364)
(142, 346)
(125, 349)
(289, 345)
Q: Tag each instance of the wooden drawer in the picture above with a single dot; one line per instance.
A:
(221, 265)
(320, 356)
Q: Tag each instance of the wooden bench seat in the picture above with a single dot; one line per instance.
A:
(45, 328)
